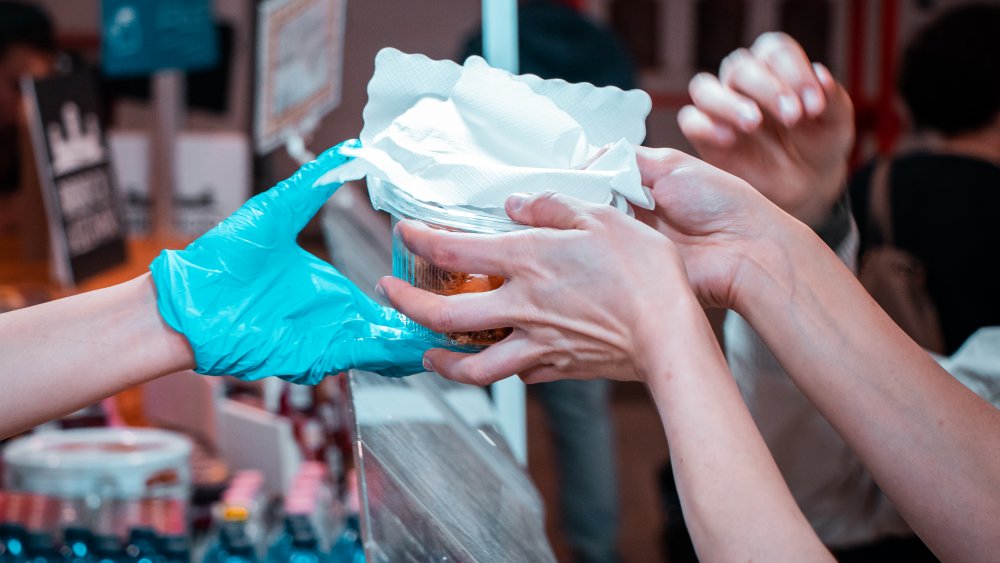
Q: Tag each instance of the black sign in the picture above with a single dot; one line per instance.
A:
(71, 151)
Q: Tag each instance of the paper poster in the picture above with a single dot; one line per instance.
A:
(206, 192)
(300, 51)
(77, 181)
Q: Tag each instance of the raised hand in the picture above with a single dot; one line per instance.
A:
(779, 122)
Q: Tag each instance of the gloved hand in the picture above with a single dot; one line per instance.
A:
(253, 304)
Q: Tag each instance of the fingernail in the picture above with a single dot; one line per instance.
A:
(427, 364)
(749, 116)
(812, 101)
(789, 108)
(822, 74)
(516, 201)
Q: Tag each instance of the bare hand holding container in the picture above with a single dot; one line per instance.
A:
(422, 274)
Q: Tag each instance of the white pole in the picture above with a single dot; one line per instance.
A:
(500, 50)
(168, 96)
(500, 34)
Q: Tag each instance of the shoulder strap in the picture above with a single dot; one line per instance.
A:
(880, 203)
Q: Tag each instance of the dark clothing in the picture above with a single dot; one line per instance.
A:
(10, 160)
(946, 212)
(556, 41)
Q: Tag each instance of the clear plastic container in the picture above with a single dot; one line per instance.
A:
(107, 480)
(424, 275)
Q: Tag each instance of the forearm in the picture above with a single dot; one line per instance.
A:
(932, 445)
(61, 356)
(735, 502)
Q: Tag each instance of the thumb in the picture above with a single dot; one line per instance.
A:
(548, 209)
(385, 352)
(298, 198)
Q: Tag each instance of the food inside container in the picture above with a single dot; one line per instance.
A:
(425, 275)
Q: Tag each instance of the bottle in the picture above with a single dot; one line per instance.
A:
(281, 547)
(143, 545)
(176, 549)
(108, 548)
(40, 547)
(77, 546)
(305, 547)
(348, 547)
(12, 542)
(232, 545)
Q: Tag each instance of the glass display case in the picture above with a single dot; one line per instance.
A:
(437, 480)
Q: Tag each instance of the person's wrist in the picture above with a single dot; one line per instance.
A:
(836, 225)
(768, 263)
(821, 197)
(664, 331)
(171, 349)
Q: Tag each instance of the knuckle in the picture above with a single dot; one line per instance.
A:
(770, 42)
(473, 371)
(442, 256)
(734, 60)
(441, 318)
(603, 215)
(665, 155)
(547, 198)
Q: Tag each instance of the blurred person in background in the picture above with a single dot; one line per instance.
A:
(558, 41)
(27, 47)
(760, 120)
(945, 190)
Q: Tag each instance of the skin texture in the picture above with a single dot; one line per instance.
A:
(61, 356)
(577, 293)
(885, 396)
(930, 442)
(779, 122)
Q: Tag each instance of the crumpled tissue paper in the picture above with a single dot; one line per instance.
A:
(470, 135)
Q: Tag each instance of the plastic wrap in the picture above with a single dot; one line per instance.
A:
(436, 481)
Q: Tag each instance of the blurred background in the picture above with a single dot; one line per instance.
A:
(663, 43)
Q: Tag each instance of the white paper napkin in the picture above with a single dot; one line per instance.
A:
(470, 135)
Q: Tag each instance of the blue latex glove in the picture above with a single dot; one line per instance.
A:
(253, 304)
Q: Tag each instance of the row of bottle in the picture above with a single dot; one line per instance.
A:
(80, 545)
(35, 527)
(312, 529)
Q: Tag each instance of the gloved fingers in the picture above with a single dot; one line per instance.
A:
(722, 104)
(287, 207)
(392, 357)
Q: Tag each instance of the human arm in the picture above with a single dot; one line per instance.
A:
(736, 504)
(60, 356)
(929, 442)
(585, 300)
(242, 300)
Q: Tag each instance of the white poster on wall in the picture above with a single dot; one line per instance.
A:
(213, 178)
(300, 54)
